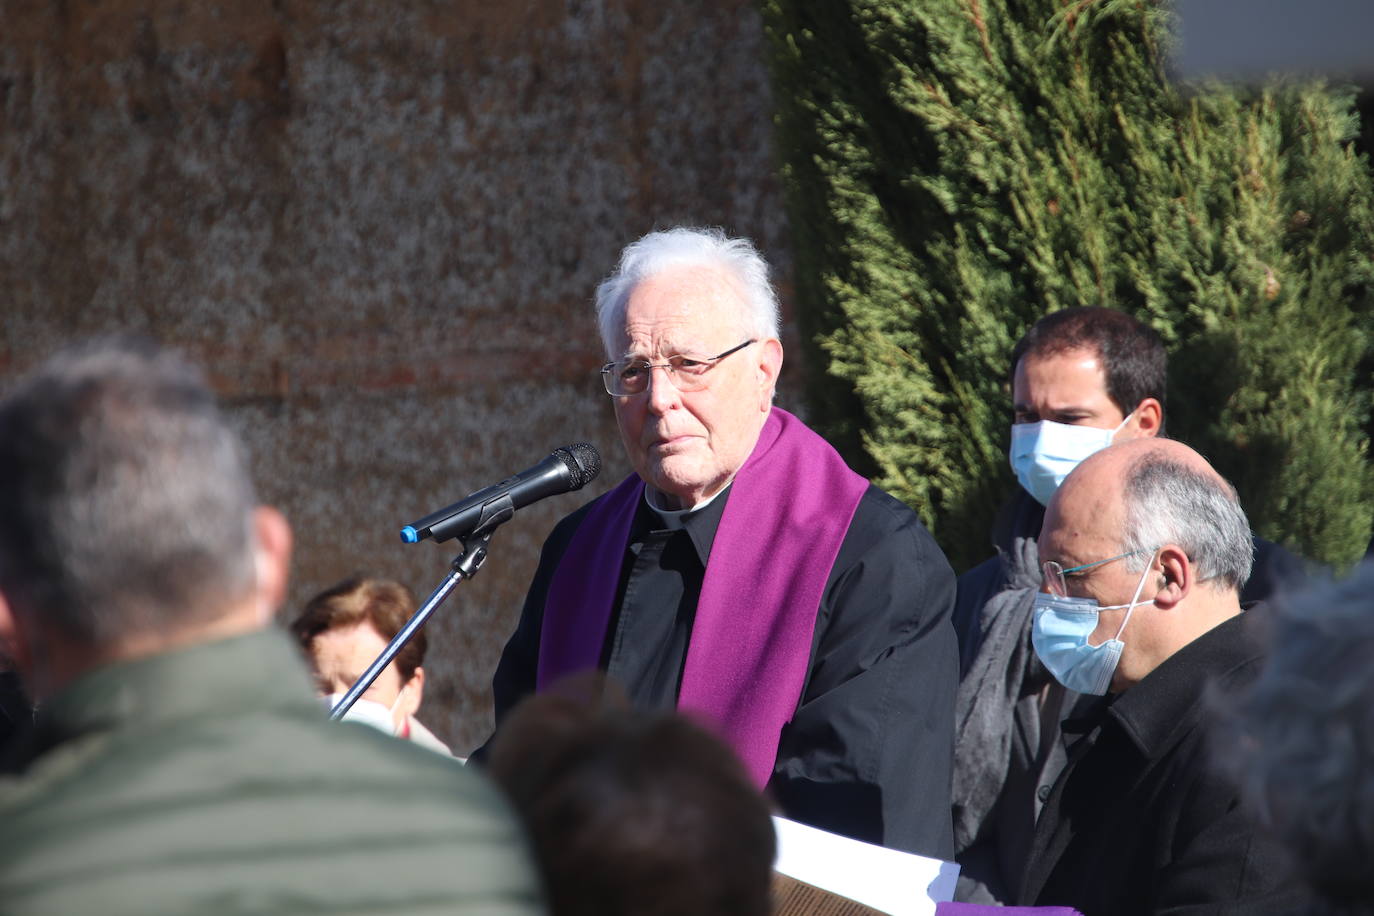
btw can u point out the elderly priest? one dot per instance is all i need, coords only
(744, 573)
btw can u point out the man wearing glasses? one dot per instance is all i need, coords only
(744, 573)
(1081, 379)
(1145, 551)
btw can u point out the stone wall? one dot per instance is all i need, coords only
(378, 226)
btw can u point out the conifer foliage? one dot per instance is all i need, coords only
(956, 169)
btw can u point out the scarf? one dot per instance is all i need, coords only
(788, 511)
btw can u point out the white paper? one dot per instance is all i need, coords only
(898, 883)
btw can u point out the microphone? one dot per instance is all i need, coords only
(567, 469)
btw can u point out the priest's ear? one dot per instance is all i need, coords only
(768, 364)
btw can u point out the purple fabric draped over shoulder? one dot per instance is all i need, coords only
(786, 516)
(980, 909)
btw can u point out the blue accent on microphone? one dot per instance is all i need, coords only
(409, 535)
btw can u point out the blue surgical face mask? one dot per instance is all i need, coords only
(1059, 632)
(1042, 454)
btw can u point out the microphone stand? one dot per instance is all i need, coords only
(464, 566)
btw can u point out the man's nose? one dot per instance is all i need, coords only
(663, 394)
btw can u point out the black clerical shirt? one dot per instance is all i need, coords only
(656, 602)
(868, 752)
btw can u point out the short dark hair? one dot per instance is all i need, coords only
(1132, 353)
(634, 812)
(125, 505)
(384, 603)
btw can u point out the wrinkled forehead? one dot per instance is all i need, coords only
(682, 310)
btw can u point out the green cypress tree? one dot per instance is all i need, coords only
(956, 169)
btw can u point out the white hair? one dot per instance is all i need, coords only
(1170, 503)
(689, 247)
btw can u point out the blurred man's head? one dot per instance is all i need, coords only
(1300, 741)
(690, 323)
(127, 519)
(1145, 548)
(345, 627)
(1082, 379)
(635, 812)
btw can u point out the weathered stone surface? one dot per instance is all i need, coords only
(378, 226)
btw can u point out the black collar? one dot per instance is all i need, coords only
(1169, 701)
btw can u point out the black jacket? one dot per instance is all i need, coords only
(868, 753)
(1141, 821)
(999, 797)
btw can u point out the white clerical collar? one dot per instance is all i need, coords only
(674, 519)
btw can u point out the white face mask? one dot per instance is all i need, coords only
(368, 712)
(1042, 454)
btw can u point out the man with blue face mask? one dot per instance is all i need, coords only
(1145, 550)
(1081, 380)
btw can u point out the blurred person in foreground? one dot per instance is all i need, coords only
(343, 630)
(744, 572)
(179, 761)
(1302, 740)
(16, 712)
(1145, 550)
(635, 813)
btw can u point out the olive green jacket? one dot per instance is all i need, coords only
(209, 781)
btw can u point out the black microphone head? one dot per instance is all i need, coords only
(583, 462)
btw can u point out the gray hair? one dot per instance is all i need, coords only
(1300, 742)
(125, 507)
(688, 247)
(1170, 503)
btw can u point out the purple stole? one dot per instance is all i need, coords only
(787, 513)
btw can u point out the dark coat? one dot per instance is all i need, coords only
(1141, 821)
(868, 752)
(1004, 772)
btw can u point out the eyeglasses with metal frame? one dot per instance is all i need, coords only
(1055, 575)
(629, 377)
